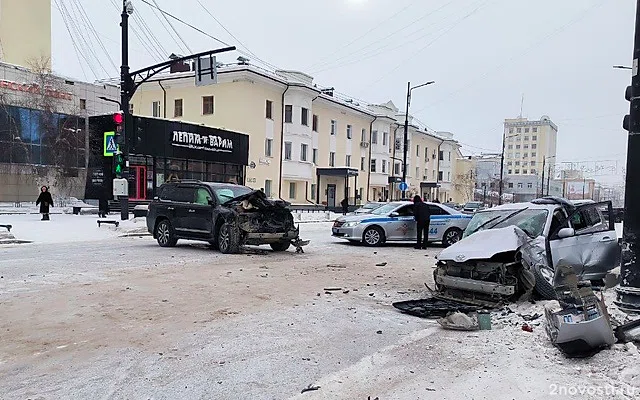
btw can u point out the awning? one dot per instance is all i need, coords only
(342, 172)
(427, 185)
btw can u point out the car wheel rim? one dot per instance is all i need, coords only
(372, 237)
(547, 274)
(224, 239)
(163, 233)
(453, 237)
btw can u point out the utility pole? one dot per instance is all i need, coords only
(125, 88)
(629, 289)
(548, 179)
(501, 185)
(544, 164)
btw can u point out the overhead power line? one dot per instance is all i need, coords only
(171, 26)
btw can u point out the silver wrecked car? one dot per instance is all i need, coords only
(508, 250)
(393, 222)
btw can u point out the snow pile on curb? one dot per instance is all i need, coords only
(306, 216)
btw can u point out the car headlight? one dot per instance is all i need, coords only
(351, 224)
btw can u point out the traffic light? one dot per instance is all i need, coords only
(626, 122)
(119, 164)
(118, 120)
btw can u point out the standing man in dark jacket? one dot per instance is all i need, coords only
(45, 201)
(422, 216)
(345, 205)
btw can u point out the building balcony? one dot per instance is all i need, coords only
(297, 170)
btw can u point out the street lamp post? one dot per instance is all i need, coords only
(406, 133)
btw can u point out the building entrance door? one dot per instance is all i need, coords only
(331, 195)
(138, 182)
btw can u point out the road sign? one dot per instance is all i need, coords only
(206, 70)
(403, 186)
(110, 146)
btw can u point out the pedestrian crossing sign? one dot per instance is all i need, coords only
(110, 146)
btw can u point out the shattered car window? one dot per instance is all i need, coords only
(530, 221)
(226, 193)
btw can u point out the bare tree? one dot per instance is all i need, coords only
(464, 184)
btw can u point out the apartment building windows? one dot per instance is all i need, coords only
(288, 113)
(526, 138)
(268, 109)
(526, 146)
(517, 163)
(519, 130)
(535, 129)
(510, 147)
(530, 185)
(155, 109)
(304, 116)
(374, 137)
(526, 130)
(362, 162)
(332, 159)
(533, 171)
(334, 127)
(315, 156)
(517, 171)
(441, 155)
(440, 175)
(303, 152)
(267, 187)
(177, 108)
(314, 123)
(373, 165)
(517, 154)
(448, 176)
(534, 137)
(519, 185)
(525, 155)
(517, 146)
(533, 154)
(292, 190)
(426, 154)
(363, 136)
(83, 104)
(417, 150)
(510, 163)
(533, 163)
(510, 172)
(510, 185)
(396, 169)
(268, 147)
(349, 132)
(510, 130)
(449, 156)
(347, 161)
(207, 105)
(534, 146)
(287, 150)
(384, 166)
(385, 138)
(524, 171)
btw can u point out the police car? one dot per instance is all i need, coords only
(393, 222)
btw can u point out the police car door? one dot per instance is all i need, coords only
(437, 223)
(402, 225)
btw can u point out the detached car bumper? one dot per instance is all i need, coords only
(257, 238)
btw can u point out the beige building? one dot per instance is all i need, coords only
(530, 146)
(25, 31)
(307, 145)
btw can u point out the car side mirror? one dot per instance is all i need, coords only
(394, 214)
(566, 233)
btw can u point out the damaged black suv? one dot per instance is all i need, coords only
(226, 215)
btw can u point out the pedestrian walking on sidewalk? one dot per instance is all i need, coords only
(45, 201)
(345, 206)
(422, 216)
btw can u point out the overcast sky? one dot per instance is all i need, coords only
(483, 54)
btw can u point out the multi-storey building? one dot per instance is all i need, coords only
(530, 146)
(25, 31)
(307, 145)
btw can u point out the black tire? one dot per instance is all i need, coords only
(544, 279)
(280, 246)
(229, 239)
(165, 235)
(451, 236)
(373, 236)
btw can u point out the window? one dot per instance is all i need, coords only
(526, 130)
(373, 165)
(374, 137)
(510, 155)
(334, 126)
(287, 150)
(510, 130)
(510, 163)
(517, 171)
(510, 172)
(441, 155)
(526, 137)
(533, 171)
(292, 190)
(524, 171)
(315, 156)
(396, 169)
(177, 108)
(268, 109)
(533, 154)
(207, 105)
(363, 136)
(418, 150)
(520, 185)
(385, 138)
(440, 174)
(314, 123)
(535, 130)
(426, 154)
(519, 130)
(518, 163)
(83, 104)
(347, 161)
(526, 146)
(384, 166)
(510, 185)
(517, 146)
(448, 176)
(525, 155)
(155, 109)
(332, 159)
(303, 152)
(349, 133)
(288, 113)
(304, 116)
(534, 146)
(314, 188)
(362, 161)
(533, 163)
(449, 155)
(534, 137)
(510, 147)
(525, 163)
(529, 185)
(130, 108)
(267, 187)
(517, 154)
(268, 147)
(417, 172)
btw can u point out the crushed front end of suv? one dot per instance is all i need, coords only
(511, 250)
(225, 215)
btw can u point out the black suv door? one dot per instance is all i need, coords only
(200, 213)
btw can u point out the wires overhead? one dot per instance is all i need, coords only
(164, 14)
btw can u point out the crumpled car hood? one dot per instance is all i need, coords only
(258, 199)
(484, 244)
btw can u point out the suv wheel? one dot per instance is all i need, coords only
(165, 235)
(280, 246)
(544, 282)
(229, 239)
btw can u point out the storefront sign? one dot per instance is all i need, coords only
(35, 88)
(202, 142)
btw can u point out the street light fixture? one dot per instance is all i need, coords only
(406, 134)
(621, 67)
(110, 100)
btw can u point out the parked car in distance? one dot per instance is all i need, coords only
(472, 206)
(514, 247)
(393, 222)
(455, 206)
(225, 215)
(368, 207)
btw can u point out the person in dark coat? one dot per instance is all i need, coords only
(345, 205)
(422, 216)
(103, 204)
(45, 201)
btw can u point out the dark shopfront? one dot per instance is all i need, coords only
(162, 150)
